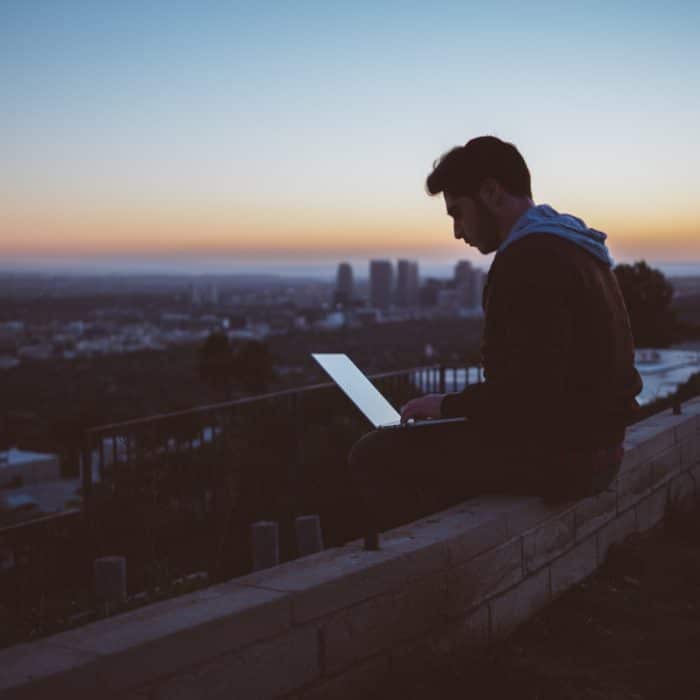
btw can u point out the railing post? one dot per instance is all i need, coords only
(87, 476)
(442, 379)
(309, 536)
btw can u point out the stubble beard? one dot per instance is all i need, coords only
(487, 226)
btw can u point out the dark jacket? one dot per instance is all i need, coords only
(557, 350)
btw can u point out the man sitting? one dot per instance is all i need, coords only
(557, 352)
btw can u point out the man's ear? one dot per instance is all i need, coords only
(491, 192)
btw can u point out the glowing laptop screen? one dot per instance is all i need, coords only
(358, 388)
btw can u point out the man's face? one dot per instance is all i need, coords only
(473, 222)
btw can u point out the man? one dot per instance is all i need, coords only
(557, 352)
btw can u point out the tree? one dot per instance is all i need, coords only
(253, 366)
(216, 363)
(647, 295)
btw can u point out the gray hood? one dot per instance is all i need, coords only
(544, 219)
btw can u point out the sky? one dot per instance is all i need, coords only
(238, 134)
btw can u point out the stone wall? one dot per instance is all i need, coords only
(329, 625)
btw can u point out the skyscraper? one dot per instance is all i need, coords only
(407, 283)
(479, 279)
(464, 284)
(381, 282)
(344, 287)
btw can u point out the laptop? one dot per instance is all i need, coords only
(380, 413)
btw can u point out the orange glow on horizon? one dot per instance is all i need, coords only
(264, 232)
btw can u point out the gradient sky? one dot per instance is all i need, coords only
(302, 131)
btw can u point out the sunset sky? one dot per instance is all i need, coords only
(302, 132)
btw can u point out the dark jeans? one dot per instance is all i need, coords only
(398, 475)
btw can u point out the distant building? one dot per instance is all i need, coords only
(469, 285)
(479, 279)
(430, 290)
(407, 283)
(344, 288)
(464, 284)
(447, 299)
(381, 283)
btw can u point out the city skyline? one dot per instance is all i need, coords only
(173, 135)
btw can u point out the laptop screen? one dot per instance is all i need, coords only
(358, 388)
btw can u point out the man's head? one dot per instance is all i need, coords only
(486, 186)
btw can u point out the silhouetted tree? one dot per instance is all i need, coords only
(253, 366)
(648, 296)
(217, 364)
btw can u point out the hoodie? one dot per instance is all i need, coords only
(544, 219)
(557, 346)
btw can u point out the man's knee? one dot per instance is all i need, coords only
(366, 449)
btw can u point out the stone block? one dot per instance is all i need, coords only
(44, 670)
(375, 625)
(470, 631)
(690, 452)
(534, 511)
(520, 513)
(633, 454)
(574, 566)
(592, 513)
(519, 604)
(650, 437)
(468, 529)
(483, 577)
(686, 428)
(632, 486)
(665, 466)
(264, 670)
(145, 644)
(652, 509)
(336, 579)
(360, 681)
(615, 532)
(547, 541)
(682, 494)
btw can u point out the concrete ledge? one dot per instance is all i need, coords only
(330, 624)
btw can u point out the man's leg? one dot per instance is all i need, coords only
(402, 474)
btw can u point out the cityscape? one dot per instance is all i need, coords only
(182, 311)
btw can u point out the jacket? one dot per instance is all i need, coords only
(557, 350)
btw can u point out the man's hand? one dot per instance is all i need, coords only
(427, 406)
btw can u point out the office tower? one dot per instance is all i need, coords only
(479, 279)
(407, 283)
(413, 286)
(381, 282)
(464, 284)
(344, 285)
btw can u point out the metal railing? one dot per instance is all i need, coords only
(178, 491)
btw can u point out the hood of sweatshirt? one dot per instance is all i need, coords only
(544, 219)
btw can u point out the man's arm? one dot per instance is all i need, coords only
(527, 343)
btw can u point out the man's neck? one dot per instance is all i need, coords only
(520, 206)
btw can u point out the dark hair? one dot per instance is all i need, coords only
(462, 170)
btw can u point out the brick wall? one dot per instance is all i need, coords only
(330, 624)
